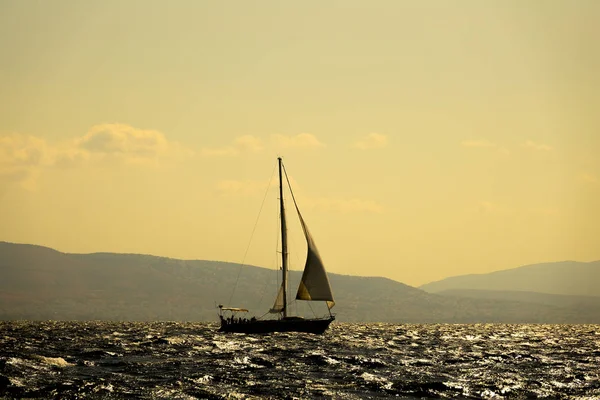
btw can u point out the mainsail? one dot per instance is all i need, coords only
(314, 284)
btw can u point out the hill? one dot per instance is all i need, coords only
(564, 278)
(41, 283)
(561, 300)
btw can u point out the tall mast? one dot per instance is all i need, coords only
(284, 254)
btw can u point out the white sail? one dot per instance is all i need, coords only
(314, 284)
(278, 306)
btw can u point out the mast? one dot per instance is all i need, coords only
(284, 254)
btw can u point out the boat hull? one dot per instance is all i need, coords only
(316, 326)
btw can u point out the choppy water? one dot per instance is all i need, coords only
(69, 360)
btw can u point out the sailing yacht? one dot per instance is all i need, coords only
(314, 286)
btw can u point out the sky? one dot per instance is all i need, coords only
(423, 139)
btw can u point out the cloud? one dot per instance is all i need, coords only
(248, 143)
(245, 143)
(25, 176)
(70, 156)
(22, 150)
(123, 139)
(254, 188)
(23, 157)
(125, 142)
(477, 143)
(530, 144)
(253, 144)
(299, 141)
(371, 141)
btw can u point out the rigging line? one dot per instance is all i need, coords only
(294, 199)
(311, 309)
(298, 262)
(277, 237)
(290, 187)
(273, 262)
(277, 267)
(251, 236)
(262, 296)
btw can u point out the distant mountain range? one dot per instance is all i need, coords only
(41, 283)
(564, 278)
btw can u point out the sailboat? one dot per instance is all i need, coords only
(314, 286)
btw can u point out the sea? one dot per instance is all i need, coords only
(171, 360)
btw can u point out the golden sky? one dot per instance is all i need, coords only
(424, 139)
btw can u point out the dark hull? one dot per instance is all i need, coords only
(316, 326)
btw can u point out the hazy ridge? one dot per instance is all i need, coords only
(560, 278)
(41, 283)
(527, 297)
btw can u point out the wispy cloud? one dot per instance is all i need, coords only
(530, 144)
(253, 144)
(256, 188)
(123, 139)
(18, 150)
(127, 143)
(69, 155)
(371, 141)
(299, 141)
(248, 143)
(241, 144)
(23, 157)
